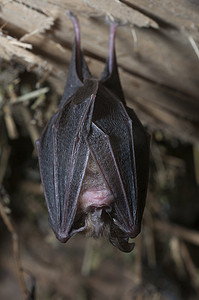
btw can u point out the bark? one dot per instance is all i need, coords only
(157, 49)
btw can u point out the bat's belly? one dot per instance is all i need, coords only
(95, 200)
(96, 197)
(94, 191)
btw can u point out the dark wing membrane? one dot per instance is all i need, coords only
(45, 154)
(111, 117)
(100, 146)
(130, 145)
(141, 145)
(63, 139)
(120, 146)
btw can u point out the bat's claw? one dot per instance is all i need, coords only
(70, 14)
(112, 20)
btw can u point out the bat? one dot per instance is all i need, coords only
(94, 156)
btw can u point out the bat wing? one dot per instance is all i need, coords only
(63, 155)
(142, 149)
(116, 148)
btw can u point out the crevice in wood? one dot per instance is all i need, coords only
(31, 7)
(162, 23)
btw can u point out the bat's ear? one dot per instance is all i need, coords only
(110, 76)
(78, 69)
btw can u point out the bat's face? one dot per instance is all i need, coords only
(93, 157)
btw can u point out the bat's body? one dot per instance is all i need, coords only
(93, 156)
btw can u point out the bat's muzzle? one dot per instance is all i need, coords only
(97, 220)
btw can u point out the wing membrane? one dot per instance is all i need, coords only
(63, 156)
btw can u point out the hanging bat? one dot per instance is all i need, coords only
(94, 156)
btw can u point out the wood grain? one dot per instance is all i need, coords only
(159, 68)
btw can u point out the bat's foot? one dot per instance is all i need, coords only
(113, 28)
(75, 21)
(110, 20)
(70, 15)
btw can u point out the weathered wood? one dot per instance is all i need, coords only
(158, 65)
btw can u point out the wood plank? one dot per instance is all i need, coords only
(159, 71)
